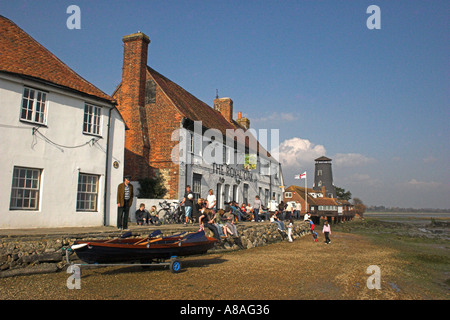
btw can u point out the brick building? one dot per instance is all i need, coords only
(167, 122)
(319, 205)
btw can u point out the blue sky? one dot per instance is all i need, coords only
(375, 101)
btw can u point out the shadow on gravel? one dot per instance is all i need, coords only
(190, 262)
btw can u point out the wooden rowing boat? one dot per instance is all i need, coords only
(144, 250)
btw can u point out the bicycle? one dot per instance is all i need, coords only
(169, 212)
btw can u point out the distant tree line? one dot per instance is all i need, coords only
(398, 209)
(360, 207)
(343, 194)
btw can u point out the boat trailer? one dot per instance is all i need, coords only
(174, 264)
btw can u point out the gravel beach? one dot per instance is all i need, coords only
(282, 271)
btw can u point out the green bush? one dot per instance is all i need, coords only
(152, 188)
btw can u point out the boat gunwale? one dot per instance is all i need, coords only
(161, 243)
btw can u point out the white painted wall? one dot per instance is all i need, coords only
(60, 166)
(192, 162)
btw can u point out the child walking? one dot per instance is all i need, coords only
(290, 226)
(314, 234)
(326, 231)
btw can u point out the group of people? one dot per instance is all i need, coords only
(326, 229)
(220, 222)
(143, 216)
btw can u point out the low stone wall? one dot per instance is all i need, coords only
(33, 255)
(260, 234)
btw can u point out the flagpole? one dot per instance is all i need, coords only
(306, 194)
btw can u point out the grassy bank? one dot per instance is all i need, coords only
(423, 249)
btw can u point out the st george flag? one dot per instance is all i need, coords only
(301, 176)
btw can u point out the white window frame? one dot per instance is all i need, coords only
(92, 119)
(32, 105)
(224, 154)
(86, 193)
(288, 194)
(25, 188)
(190, 142)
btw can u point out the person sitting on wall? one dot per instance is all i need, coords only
(264, 213)
(244, 214)
(229, 222)
(206, 220)
(274, 219)
(307, 216)
(221, 220)
(235, 210)
(154, 217)
(249, 210)
(142, 215)
(196, 209)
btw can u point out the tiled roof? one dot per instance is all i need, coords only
(21, 54)
(322, 158)
(320, 201)
(301, 192)
(195, 109)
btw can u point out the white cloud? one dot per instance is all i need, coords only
(422, 184)
(298, 152)
(352, 160)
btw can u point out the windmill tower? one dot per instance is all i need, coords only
(323, 177)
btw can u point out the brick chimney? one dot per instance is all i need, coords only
(324, 192)
(134, 68)
(131, 103)
(225, 107)
(243, 122)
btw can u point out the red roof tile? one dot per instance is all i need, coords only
(21, 54)
(196, 110)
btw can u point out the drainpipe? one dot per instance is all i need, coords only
(181, 192)
(107, 165)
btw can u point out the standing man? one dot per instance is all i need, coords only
(298, 208)
(256, 208)
(211, 200)
(188, 203)
(124, 200)
(273, 205)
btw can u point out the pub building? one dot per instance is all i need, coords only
(174, 135)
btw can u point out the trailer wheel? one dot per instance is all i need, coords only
(175, 265)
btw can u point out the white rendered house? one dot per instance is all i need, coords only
(61, 138)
